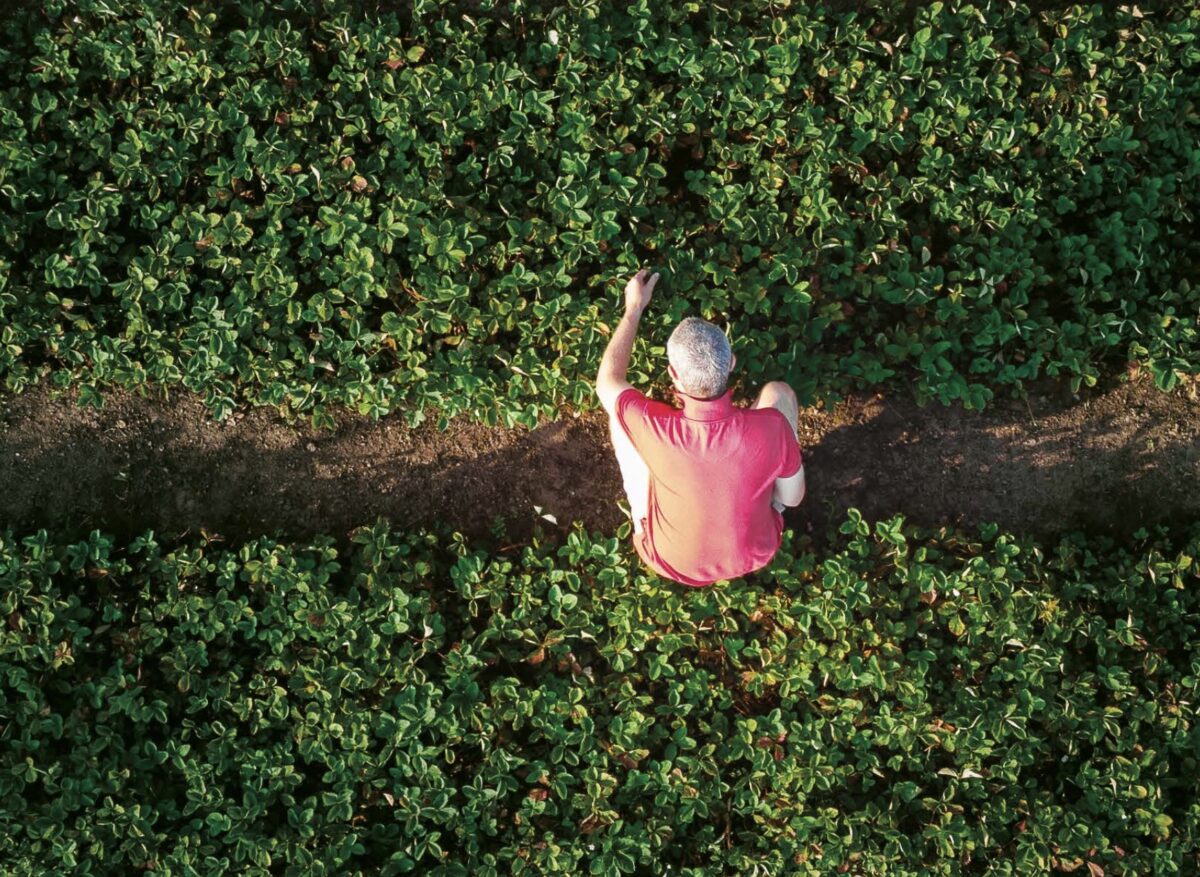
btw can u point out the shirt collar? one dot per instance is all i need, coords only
(706, 409)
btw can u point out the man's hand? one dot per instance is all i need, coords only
(638, 291)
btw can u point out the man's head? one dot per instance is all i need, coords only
(699, 358)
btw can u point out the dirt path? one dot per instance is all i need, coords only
(1123, 457)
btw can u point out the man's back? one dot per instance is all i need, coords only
(713, 468)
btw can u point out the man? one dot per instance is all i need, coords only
(706, 482)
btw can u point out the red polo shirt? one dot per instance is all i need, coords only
(712, 473)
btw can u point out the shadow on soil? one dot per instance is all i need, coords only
(1120, 460)
(1123, 458)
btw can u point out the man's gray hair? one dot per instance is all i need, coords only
(701, 356)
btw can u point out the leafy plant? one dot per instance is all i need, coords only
(903, 701)
(315, 204)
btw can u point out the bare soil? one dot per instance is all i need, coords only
(1121, 458)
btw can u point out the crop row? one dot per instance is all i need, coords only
(303, 204)
(905, 701)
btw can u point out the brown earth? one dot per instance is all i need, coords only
(1120, 458)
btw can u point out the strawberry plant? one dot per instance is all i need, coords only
(901, 701)
(429, 207)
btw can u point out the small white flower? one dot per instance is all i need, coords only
(554, 38)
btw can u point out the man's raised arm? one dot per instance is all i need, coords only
(610, 380)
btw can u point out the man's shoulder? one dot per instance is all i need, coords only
(634, 401)
(643, 419)
(767, 426)
(765, 418)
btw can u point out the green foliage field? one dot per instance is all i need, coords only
(407, 206)
(902, 702)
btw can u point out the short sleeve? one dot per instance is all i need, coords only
(631, 412)
(792, 459)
